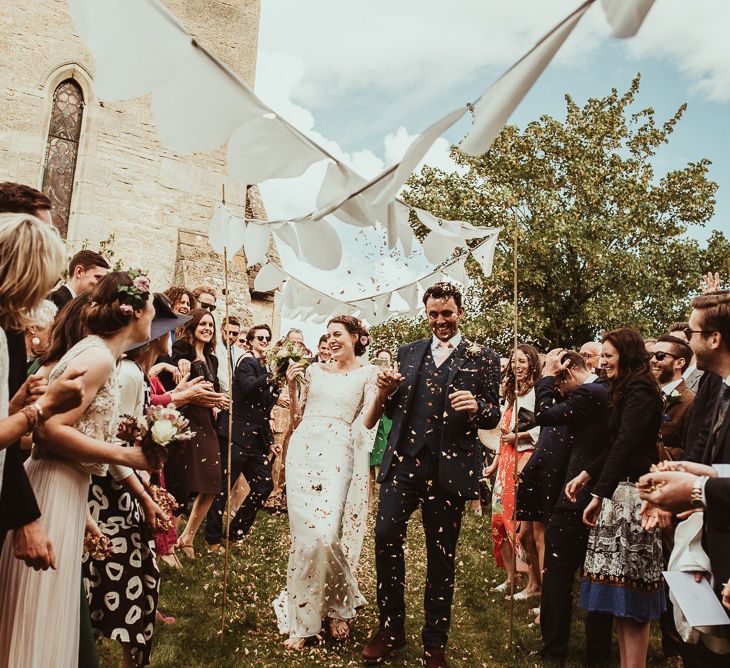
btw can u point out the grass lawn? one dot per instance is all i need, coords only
(257, 575)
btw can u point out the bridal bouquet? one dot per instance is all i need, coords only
(161, 433)
(280, 357)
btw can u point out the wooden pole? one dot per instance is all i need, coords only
(515, 410)
(227, 523)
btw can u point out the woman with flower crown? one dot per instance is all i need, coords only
(319, 467)
(68, 448)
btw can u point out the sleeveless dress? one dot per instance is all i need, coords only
(319, 470)
(39, 610)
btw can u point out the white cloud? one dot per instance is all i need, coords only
(693, 35)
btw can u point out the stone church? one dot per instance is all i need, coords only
(111, 182)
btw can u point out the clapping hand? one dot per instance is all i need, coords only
(554, 363)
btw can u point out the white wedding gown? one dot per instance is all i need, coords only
(319, 470)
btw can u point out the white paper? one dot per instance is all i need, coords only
(495, 107)
(226, 231)
(136, 46)
(267, 148)
(626, 16)
(269, 278)
(201, 105)
(697, 600)
(484, 255)
(256, 243)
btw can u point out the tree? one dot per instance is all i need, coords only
(601, 238)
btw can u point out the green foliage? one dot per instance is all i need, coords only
(601, 238)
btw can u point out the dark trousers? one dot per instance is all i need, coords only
(698, 656)
(413, 481)
(566, 538)
(254, 463)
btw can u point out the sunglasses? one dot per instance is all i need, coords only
(263, 338)
(660, 355)
(210, 307)
(688, 332)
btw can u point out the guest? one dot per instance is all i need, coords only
(19, 511)
(196, 392)
(121, 316)
(281, 416)
(123, 589)
(324, 354)
(670, 358)
(524, 368)
(36, 334)
(622, 572)
(583, 415)
(691, 373)
(183, 301)
(383, 358)
(205, 297)
(251, 438)
(230, 331)
(193, 353)
(85, 270)
(242, 343)
(591, 353)
(705, 486)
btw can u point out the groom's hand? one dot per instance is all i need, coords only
(388, 381)
(463, 400)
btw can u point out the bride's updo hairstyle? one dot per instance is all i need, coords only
(113, 301)
(353, 326)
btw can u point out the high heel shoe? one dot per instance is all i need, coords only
(187, 549)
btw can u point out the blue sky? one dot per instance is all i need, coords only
(365, 80)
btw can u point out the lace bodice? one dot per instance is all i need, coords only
(338, 396)
(101, 418)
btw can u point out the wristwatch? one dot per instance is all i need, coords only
(695, 497)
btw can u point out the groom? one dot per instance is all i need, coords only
(449, 390)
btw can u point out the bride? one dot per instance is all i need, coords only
(319, 465)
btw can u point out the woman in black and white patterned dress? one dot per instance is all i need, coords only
(123, 588)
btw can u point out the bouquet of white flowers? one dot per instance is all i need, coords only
(280, 357)
(163, 431)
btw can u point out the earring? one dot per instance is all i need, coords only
(35, 340)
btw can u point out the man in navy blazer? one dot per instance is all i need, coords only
(584, 411)
(449, 390)
(252, 439)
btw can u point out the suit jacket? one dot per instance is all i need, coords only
(585, 412)
(697, 427)
(460, 450)
(674, 420)
(693, 380)
(61, 296)
(18, 505)
(253, 399)
(633, 429)
(717, 496)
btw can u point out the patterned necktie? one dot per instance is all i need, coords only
(442, 352)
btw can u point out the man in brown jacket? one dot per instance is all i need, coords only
(670, 358)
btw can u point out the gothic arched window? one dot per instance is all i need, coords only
(62, 150)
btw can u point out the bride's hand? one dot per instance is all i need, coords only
(293, 370)
(388, 381)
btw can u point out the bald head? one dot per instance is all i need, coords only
(591, 353)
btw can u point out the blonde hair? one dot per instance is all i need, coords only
(32, 256)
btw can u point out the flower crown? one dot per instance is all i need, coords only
(133, 297)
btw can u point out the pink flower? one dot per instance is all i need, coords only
(126, 309)
(142, 283)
